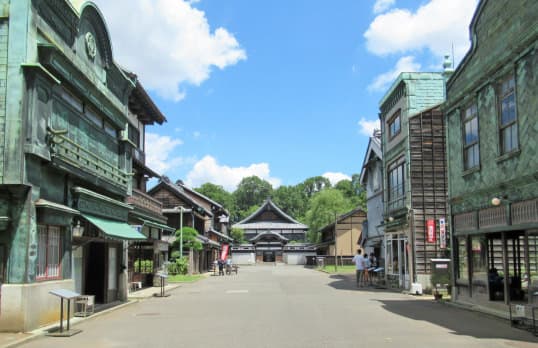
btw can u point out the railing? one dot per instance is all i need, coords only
(141, 200)
(67, 150)
(465, 222)
(525, 212)
(492, 217)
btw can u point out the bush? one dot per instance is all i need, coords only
(180, 266)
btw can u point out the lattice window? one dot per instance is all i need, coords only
(49, 261)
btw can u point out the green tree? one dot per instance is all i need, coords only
(322, 209)
(243, 214)
(251, 191)
(189, 239)
(355, 194)
(238, 235)
(315, 184)
(218, 194)
(292, 200)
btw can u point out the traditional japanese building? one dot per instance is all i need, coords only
(272, 236)
(66, 161)
(492, 143)
(372, 237)
(186, 207)
(342, 238)
(414, 168)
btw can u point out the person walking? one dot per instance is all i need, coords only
(221, 267)
(366, 268)
(359, 267)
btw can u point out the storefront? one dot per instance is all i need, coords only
(397, 260)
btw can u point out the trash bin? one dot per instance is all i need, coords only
(440, 276)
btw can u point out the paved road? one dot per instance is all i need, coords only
(289, 306)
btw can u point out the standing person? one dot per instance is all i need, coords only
(359, 265)
(221, 267)
(373, 266)
(366, 268)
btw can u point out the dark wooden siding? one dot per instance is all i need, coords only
(428, 174)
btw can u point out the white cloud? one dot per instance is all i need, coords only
(209, 170)
(168, 43)
(334, 178)
(367, 127)
(434, 26)
(382, 5)
(404, 64)
(159, 151)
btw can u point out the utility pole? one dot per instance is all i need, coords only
(181, 231)
(335, 245)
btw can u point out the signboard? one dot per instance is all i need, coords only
(430, 231)
(442, 233)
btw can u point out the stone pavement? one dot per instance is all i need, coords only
(16, 339)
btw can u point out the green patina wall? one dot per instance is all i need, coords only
(507, 43)
(3, 80)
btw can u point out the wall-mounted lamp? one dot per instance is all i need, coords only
(496, 201)
(391, 219)
(78, 230)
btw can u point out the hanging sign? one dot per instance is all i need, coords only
(430, 231)
(442, 233)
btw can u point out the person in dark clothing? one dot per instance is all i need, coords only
(221, 267)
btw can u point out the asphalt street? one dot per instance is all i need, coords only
(290, 306)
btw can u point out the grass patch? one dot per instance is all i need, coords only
(341, 269)
(184, 278)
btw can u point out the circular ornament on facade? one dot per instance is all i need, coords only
(91, 47)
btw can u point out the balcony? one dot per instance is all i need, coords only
(65, 149)
(143, 201)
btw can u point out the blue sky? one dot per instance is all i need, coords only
(282, 89)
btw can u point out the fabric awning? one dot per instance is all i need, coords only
(158, 225)
(115, 229)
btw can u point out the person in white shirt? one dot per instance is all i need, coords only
(359, 264)
(366, 268)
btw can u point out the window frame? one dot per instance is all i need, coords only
(397, 193)
(42, 270)
(397, 116)
(467, 147)
(503, 95)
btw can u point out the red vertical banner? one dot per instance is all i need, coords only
(224, 252)
(430, 231)
(442, 233)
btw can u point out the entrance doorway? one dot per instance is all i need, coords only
(268, 256)
(95, 272)
(396, 259)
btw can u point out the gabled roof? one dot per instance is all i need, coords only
(343, 217)
(255, 222)
(269, 233)
(179, 192)
(373, 151)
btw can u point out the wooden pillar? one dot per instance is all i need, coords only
(506, 270)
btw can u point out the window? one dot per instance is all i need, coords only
(463, 265)
(396, 186)
(49, 250)
(134, 135)
(110, 130)
(471, 152)
(394, 125)
(478, 258)
(508, 115)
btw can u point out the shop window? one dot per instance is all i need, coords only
(49, 251)
(471, 152)
(463, 261)
(508, 115)
(478, 258)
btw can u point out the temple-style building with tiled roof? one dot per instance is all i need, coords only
(272, 236)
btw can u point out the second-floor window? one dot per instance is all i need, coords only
(395, 125)
(508, 115)
(471, 152)
(396, 186)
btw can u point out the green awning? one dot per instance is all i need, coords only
(158, 225)
(115, 229)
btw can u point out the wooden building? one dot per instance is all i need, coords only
(492, 139)
(65, 164)
(346, 241)
(272, 236)
(414, 176)
(184, 206)
(373, 233)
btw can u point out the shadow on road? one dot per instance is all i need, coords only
(348, 282)
(457, 320)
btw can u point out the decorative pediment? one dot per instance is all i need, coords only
(93, 36)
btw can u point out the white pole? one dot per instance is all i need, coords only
(181, 231)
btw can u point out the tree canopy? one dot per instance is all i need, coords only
(189, 239)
